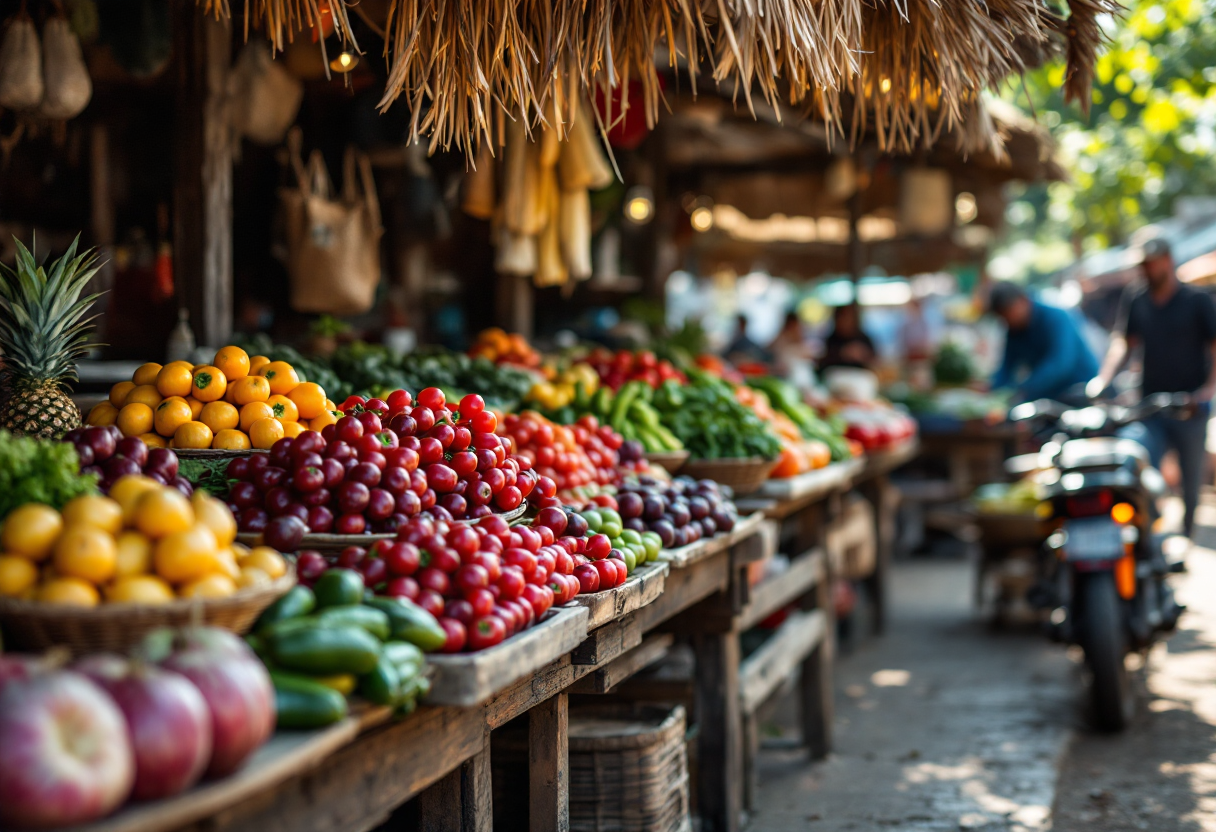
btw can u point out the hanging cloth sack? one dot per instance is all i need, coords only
(20, 65)
(265, 96)
(65, 76)
(333, 245)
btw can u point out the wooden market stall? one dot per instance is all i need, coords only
(455, 75)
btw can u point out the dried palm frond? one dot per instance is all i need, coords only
(907, 70)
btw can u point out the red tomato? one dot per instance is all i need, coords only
(486, 631)
(456, 635)
(433, 398)
(608, 572)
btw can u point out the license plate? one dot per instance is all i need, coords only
(1093, 538)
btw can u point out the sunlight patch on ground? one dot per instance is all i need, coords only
(890, 678)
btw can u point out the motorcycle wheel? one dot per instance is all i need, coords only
(1102, 637)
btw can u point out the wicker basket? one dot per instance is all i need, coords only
(29, 625)
(215, 453)
(628, 770)
(743, 475)
(670, 461)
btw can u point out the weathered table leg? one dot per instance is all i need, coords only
(816, 693)
(751, 754)
(461, 802)
(720, 783)
(549, 772)
(876, 585)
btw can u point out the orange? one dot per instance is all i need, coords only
(327, 418)
(139, 589)
(163, 512)
(219, 416)
(134, 419)
(250, 576)
(134, 553)
(210, 384)
(196, 408)
(212, 586)
(309, 398)
(186, 556)
(171, 414)
(72, 591)
(230, 440)
(174, 380)
(154, 440)
(233, 362)
(282, 377)
(253, 412)
(256, 362)
(128, 491)
(214, 515)
(250, 389)
(230, 393)
(94, 510)
(293, 429)
(102, 414)
(30, 531)
(86, 553)
(17, 575)
(118, 393)
(265, 432)
(283, 409)
(144, 394)
(266, 559)
(191, 436)
(146, 374)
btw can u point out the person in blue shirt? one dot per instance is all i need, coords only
(1046, 356)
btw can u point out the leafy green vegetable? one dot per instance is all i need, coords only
(712, 423)
(207, 474)
(953, 365)
(39, 471)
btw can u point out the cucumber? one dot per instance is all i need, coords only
(411, 623)
(383, 685)
(298, 601)
(343, 683)
(326, 651)
(338, 588)
(370, 619)
(402, 652)
(301, 702)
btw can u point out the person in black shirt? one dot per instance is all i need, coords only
(1175, 328)
(848, 345)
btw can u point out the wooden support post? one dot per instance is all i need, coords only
(719, 718)
(549, 765)
(816, 692)
(440, 808)
(476, 793)
(751, 753)
(876, 491)
(202, 192)
(515, 300)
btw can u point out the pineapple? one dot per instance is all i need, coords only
(43, 333)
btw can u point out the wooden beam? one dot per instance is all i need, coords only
(549, 766)
(608, 642)
(720, 742)
(773, 594)
(618, 670)
(765, 670)
(202, 193)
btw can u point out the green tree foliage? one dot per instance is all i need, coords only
(1150, 136)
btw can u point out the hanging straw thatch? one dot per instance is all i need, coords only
(906, 70)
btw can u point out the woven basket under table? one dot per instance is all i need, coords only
(628, 770)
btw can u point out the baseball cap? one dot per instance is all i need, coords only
(1155, 247)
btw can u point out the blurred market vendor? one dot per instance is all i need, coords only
(848, 345)
(742, 349)
(1174, 326)
(1046, 355)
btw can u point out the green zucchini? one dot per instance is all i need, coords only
(366, 618)
(301, 702)
(326, 651)
(298, 601)
(411, 623)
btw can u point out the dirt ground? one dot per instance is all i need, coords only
(945, 724)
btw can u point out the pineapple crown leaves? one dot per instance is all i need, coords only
(42, 326)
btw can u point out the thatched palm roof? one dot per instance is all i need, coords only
(903, 70)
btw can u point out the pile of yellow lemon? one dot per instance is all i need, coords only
(144, 544)
(234, 403)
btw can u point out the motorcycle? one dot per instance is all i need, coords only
(1104, 571)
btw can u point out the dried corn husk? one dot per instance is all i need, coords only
(550, 267)
(67, 87)
(478, 197)
(582, 163)
(574, 220)
(515, 253)
(21, 86)
(523, 211)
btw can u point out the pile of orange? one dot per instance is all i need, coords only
(234, 403)
(798, 455)
(503, 348)
(143, 544)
